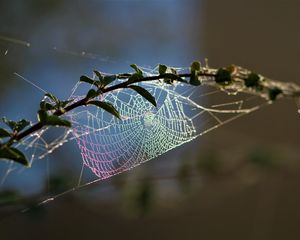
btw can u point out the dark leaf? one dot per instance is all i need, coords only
(57, 121)
(52, 97)
(273, 93)
(46, 106)
(195, 69)
(92, 93)
(107, 107)
(194, 80)
(144, 93)
(52, 120)
(196, 66)
(223, 76)
(9, 123)
(14, 154)
(108, 79)
(98, 74)
(4, 133)
(134, 78)
(252, 80)
(169, 74)
(137, 69)
(162, 69)
(42, 115)
(89, 81)
(16, 126)
(20, 125)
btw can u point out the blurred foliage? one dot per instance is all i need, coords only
(140, 194)
(58, 184)
(183, 175)
(139, 197)
(9, 197)
(208, 163)
(262, 158)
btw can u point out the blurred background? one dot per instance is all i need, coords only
(241, 181)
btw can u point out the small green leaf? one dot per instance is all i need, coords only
(144, 93)
(223, 76)
(51, 96)
(52, 120)
(9, 123)
(195, 69)
(89, 81)
(107, 107)
(252, 80)
(162, 69)
(46, 106)
(92, 93)
(137, 69)
(274, 92)
(108, 79)
(4, 133)
(57, 121)
(194, 80)
(165, 69)
(16, 126)
(98, 74)
(169, 74)
(42, 115)
(196, 66)
(13, 154)
(134, 78)
(20, 125)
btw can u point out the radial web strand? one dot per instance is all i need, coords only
(109, 145)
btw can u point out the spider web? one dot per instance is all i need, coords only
(109, 146)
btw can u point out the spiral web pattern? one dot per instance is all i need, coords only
(109, 146)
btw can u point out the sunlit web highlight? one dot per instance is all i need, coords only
(110, 146)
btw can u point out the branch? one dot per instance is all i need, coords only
(231, 79)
